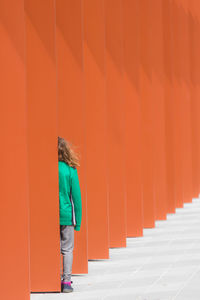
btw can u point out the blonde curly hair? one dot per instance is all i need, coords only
(67, 154)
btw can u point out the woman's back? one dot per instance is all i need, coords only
(69, 186)
(64, 193)
(64, 178)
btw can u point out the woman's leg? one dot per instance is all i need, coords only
(67, 246)
(61, 261)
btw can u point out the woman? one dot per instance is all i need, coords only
(70, 208)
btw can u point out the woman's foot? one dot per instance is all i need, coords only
(66, 287)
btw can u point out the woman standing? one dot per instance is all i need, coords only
(70, 208)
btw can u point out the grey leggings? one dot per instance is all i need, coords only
(67, 246)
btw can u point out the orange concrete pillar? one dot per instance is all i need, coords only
(14, 222)
(194, 32)
(69, 42)
(147, 115)
(178, 110)
(132, 132)
(185, 85)
(169, 106)
(95, 110)
(115, 123)
(42, 143)
(159, 141)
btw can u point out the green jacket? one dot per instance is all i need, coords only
(68, 180)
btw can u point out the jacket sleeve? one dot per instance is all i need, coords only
(76, 196)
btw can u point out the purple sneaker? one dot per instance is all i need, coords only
(66, 287)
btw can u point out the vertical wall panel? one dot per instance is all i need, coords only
(194, 23)
(130, 9)
(186, 98)
(95, 109)
(159, 141)
(169, 107)
(70, 102)
(42, 142)
(14, 254)
(147, 114)
(115, 123)
(178, 110)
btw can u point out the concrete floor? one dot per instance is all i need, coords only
(164, 264)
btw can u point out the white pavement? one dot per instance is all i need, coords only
(164, 264)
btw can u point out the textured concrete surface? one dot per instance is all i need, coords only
(164, 264)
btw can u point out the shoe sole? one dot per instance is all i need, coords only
(67, 291)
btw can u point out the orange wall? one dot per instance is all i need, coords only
(185, 83)
(42, 144)
(95, 117)
(115, 123)
(132, 116)
(159, 140)
(147, 115)
(71, 122)
(169, 108)
(178, 107)
(194, 32)
(14, 251)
